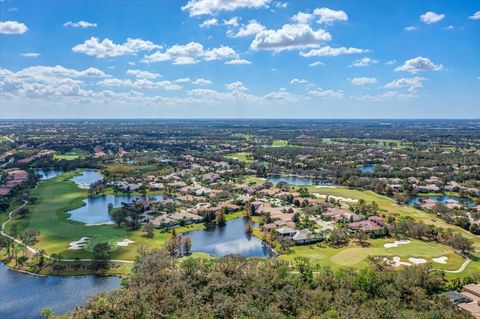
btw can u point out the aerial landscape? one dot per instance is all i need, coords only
(240, 159)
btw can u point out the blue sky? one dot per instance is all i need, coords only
(240, 59)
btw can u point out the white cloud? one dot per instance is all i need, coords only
(431, 17)
(282, 95)
(281, 5)
(327, 94)
(318, 63)
(107, 48)
(328, 16)
(210, 7)
(363, 81)
(391, 62)
(450, 27)
(410, 28)
(302, 17)
(80, 24)
(290, 37)
(202, 82)
(475, 16)
(363, 62)
(183, 80)
(232, 22)
(208, 23)
(419, 64)
(252, 28)
(412, 84)
(140, 84)
(12, 27)
(238, 61)
(220, 53)
(329, 51)
(140, 74)
(30, 54)
(190, 53)
(236, 86)
(390, 95)
(298, 81)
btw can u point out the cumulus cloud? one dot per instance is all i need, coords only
(232, 22)
(252, 28)
(210, 7)
(298, 81)
(419, 64)
(12, 27)
(302, 17)
(202, 82)
(282, 95)
(290, 37)
(140, 74)
(238, 61)
(208, 23)
(413, 84)
(410, 28)
(390, 95)
(107, 48)
(190, 53)
(80, 24)
(30, 54)
(363, 62)
(235, 86)
(183, 80)
(328, 16)
(363, 81)
(475, 16)
(140, 84)
(327, 94)
(431, 17)
(329, 51)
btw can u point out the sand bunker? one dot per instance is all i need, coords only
(344, 199)
(325, 186)
(396, 243)
(417, 260)
(396, 262)
(125, 242)
(99, 224)
(440, 260)
(79, 244)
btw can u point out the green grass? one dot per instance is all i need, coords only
(254, 180)
(245, 157)
(355, 256)
(68, 157)
(279, 143)
(389, 206)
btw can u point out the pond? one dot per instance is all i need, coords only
(296, 180)
(368, 169)
(95, 210)
(24, 296)
(220, 241)
(87, 178)
(47, 173)
(417, 200)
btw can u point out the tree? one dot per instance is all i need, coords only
(46, 313)
(187, 244)
(149, 230)
(249, 227)
(101, 256)
(29, 236)
(220, 218)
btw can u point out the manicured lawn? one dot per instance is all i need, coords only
(68, 157)
(389, 206)
(131, 169)
(279, 143)
(253, 179)
(245, 157)
(357, 257)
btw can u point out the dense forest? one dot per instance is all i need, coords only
(233, 287)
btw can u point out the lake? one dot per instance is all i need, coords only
(87, 178)
(47, 173)
(24, 296)
(95, 210)
(296, 180)
(416, 200)
(368, 169)
(219, 241)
